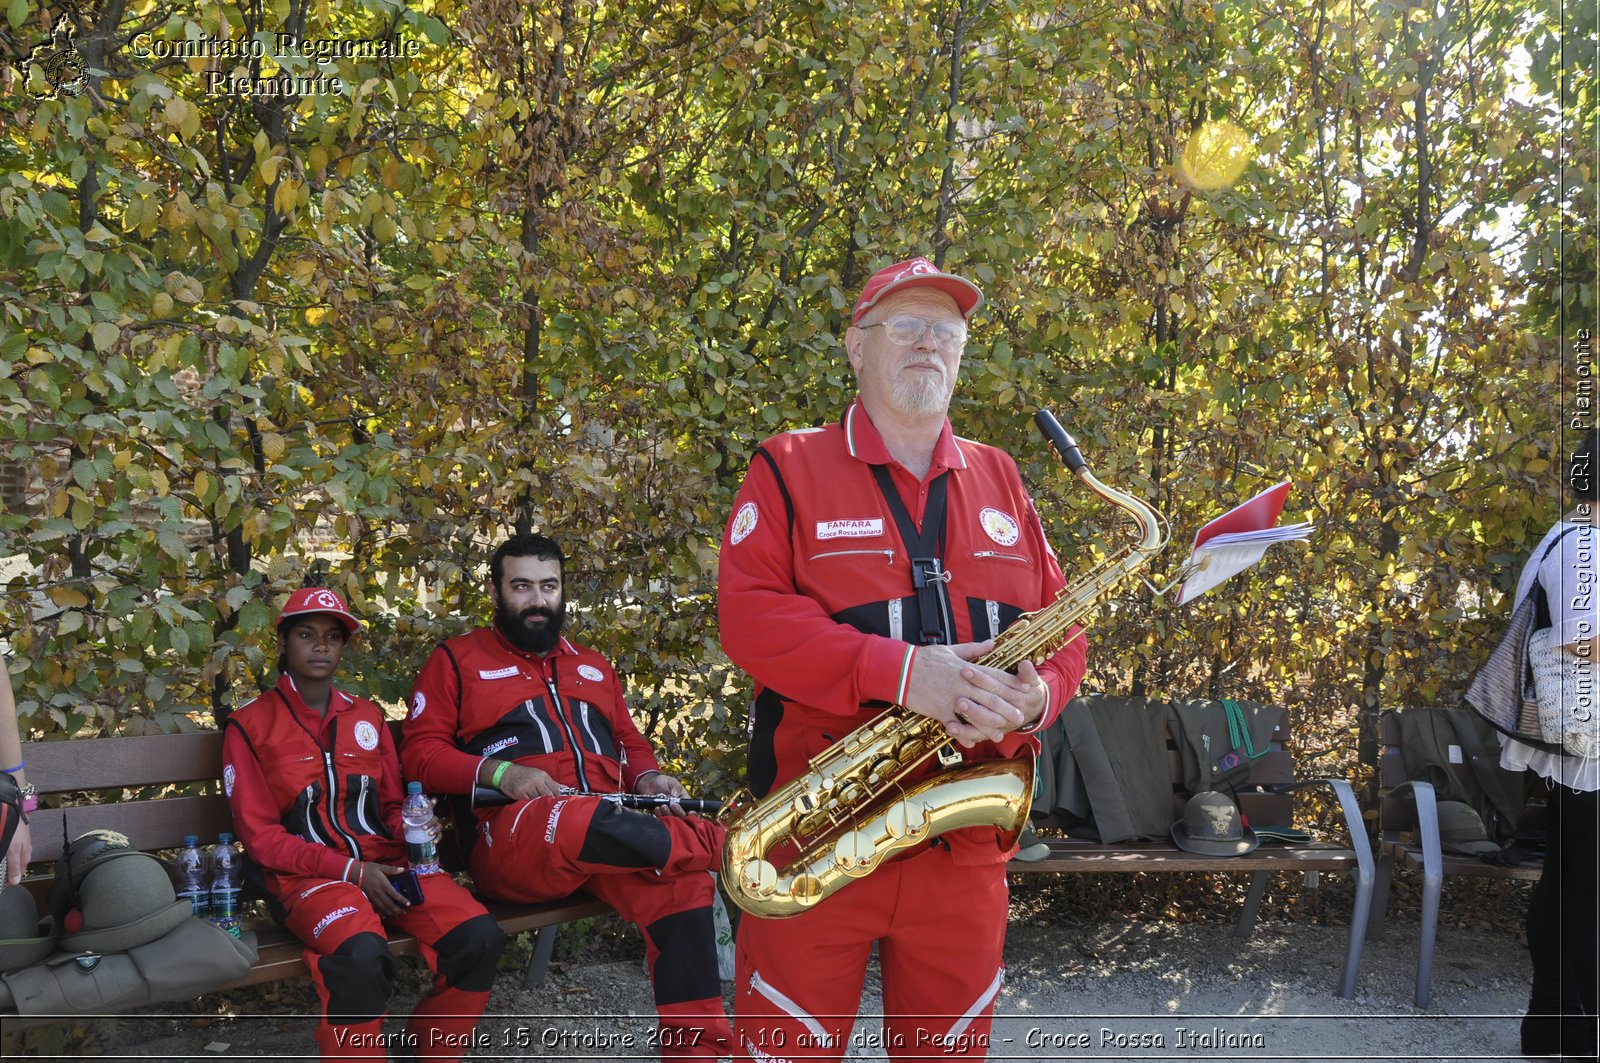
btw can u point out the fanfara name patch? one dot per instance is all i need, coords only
(744, 522)
(849, 529)
(1000, 526)
(366, 736)
(591, 673)
(497, 673)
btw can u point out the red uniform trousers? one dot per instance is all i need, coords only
(940, 928)
(347, 952)
(651, 869)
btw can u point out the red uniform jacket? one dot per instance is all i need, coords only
(479, 696)
(310, 792)
(815, 588)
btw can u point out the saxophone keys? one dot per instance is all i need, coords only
(903, 819)
(853, 852)
(806, 890)
(813, 789)
(760, 877)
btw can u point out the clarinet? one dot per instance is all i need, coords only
(488, 796)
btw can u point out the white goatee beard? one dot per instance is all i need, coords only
(921, 395)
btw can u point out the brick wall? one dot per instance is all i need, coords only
(13, 482)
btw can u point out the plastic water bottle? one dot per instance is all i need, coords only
(192, 883)
(417, 814)
(226, 880)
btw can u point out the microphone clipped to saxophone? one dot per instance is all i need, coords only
(853, 807)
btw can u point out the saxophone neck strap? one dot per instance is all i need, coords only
(926, 548)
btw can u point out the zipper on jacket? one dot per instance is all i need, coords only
(887, 555)
(783, 1002)
(333, 805)
(588, 727)
(992, 607)
(311, 814)
(1004, 557)
(896, 620)
(566, 725)
(544, 732)
(361, 807)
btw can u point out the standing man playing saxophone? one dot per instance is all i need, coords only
(868, 563)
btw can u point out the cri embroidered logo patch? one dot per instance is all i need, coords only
(744, 522)
(591, 673)
(366, 736)
(1000, 526)
(419, 701)
(849, 529)
(227, 779)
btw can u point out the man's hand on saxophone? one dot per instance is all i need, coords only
(1024, 695)
(975, 703)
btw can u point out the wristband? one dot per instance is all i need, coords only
(499, 773)
(637, 779)
(13, 771)
(346, 875)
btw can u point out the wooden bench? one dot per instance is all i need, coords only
(1265, 798)
(1408, 835)
(135, 776)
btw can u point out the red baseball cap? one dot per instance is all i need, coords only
(917, 273)
(309, 600)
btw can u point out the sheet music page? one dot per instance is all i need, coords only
(1215, 564)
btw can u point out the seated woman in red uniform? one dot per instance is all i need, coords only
(314, 783)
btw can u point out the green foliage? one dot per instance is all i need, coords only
(568, 264)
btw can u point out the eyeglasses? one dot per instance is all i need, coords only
(905, 330)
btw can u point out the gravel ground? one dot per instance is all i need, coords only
(1099, 987)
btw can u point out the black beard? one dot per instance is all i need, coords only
(528, 637)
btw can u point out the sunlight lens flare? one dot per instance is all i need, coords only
(1215, 156)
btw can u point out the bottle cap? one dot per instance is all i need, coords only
(225, 838)
(190, 839)
(413, 788)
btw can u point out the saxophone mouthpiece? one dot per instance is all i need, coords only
(1065, 445)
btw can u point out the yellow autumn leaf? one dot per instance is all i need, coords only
(68, 597)
(272, 444)
(174, 110)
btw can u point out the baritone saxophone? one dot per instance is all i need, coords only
(852, 807)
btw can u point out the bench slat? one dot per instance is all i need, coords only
(155, 824)
(122, 762)
(1129, 857)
